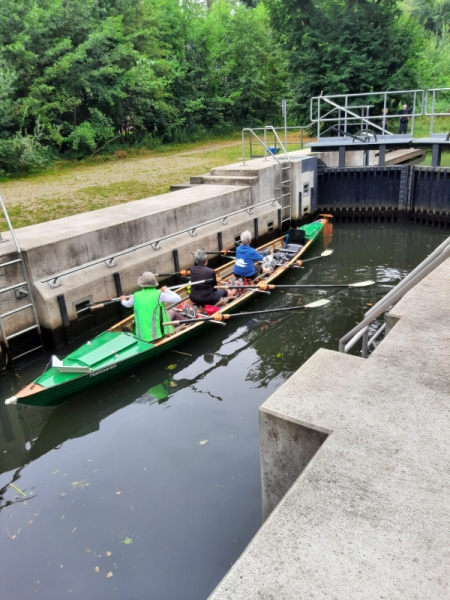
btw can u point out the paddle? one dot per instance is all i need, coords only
(217, 317)
(102, 303)
(268, 286)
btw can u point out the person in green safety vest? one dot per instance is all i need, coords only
(149, 311)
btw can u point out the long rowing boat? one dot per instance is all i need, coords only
(117, 350)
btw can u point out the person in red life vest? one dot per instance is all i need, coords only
(149, 310)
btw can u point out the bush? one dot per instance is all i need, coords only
(23, 154)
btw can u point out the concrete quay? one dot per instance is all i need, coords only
(355, 469)
(82, 257)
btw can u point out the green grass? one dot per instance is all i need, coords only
(85, 186)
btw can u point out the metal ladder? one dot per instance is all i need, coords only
(21, 290)
(285, 170)
(285, 184)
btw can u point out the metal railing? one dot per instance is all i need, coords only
(54, 280)
(346, 113)
(22, 289)
(285, 184)
(432, 114)
(282, 130)
(361, 330)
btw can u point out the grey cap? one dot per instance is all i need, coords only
(147, 279)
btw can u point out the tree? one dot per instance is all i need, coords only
(347, 46)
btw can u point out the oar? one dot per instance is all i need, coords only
(102, 303)
(217, 317)
(270, 286)
(300, 262)
(183, 273)
(224, 252)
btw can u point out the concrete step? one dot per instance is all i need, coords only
(198, 179)
(244, 172)
(227, 180)
(182, 186)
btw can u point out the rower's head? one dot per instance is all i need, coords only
(147, 280)
(246, 238)
(200, 257)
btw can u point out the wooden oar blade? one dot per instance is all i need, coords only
(317, 303)
(362, 284)
(327, 252)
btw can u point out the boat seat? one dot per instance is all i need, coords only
(292, 247)
(295, 236)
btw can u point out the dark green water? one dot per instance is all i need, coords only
(155, 478)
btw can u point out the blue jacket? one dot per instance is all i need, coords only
(245, 259)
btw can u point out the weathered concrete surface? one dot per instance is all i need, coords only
(369, 516)
(52, 247)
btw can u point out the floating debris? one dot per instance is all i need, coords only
(17, 489)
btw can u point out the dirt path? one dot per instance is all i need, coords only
(67, 192)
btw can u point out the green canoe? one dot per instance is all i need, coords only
(116, 351)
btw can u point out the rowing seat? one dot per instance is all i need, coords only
(295, 236)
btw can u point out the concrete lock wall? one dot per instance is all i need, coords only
(353, 158)
(72, 242)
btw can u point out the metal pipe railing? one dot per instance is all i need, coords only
(155, 243)
(346, 114)
(422, 270)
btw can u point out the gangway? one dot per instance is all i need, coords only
(342, 115)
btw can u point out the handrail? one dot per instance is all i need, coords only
(155, 243)
(266, 149)
(349, 115)
(433, 114)
(270, 128)
(428, 265)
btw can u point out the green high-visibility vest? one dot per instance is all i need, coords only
(149, 315)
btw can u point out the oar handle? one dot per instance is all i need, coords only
(224, 252)
(183, 273)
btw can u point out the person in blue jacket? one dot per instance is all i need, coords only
(246, 257)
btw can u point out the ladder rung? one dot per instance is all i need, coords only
(27, 352)
(11, 262)
(10, 337)
(11, 312)
(12, 287)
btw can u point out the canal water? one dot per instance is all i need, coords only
(149, 487)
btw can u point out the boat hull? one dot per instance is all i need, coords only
(40, 395)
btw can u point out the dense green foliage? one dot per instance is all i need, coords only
(78, 77)
(346, 46)
(434, 16)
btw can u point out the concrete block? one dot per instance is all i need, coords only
(365, 517)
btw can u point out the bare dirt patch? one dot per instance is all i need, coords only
(72, 191)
